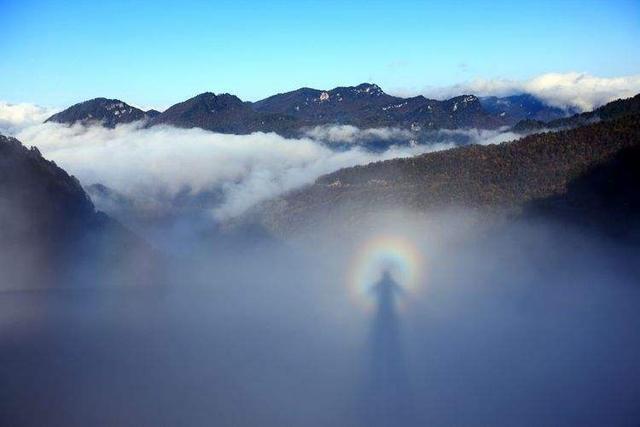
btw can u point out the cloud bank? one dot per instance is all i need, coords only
(15, 117)
(152, 168)
(477, 136)
(581, 91)
(352, 134)
(156, 164)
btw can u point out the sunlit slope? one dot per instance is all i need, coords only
(505, 177)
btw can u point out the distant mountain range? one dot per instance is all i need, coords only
(520, 107)
(289, 114)
(610, 111)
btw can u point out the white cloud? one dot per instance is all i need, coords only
(565, 90)
(479, 136)
(15, 117)
(352, 134)
(162, 161)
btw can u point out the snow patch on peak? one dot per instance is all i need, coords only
(115, 105)
(389, 107)
(370, 89)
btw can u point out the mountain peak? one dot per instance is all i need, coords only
(369, 88)
(212, 97)
(467, 99)
(224, 113)
(363, 89)
(152, 113)
(110, 112)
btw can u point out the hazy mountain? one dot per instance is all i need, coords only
(463, 111)
(152, 113)
(514, 108)
(108, 112)
(504, 177)
(610, 111)
(51, 232)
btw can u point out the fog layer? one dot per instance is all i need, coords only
(517, 324)
(508, 322)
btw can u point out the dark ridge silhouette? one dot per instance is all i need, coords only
(387, 395)
(223, 113)
(290, 114)
(368, 106)
(604, 199)
(51, 233)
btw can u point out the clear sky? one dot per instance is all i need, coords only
(155, 53)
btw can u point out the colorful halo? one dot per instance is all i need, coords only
(395, 254)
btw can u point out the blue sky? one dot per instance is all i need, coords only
(155, 53)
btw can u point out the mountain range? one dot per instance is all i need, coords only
(289, 114)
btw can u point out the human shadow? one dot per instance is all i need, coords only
(387, 394)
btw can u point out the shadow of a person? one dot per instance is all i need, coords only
(387, 391)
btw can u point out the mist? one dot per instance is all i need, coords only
(503, 323)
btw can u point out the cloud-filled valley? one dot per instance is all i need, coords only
(150, 165)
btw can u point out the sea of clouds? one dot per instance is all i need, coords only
(159, 162)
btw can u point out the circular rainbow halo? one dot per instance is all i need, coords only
(394, 254)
